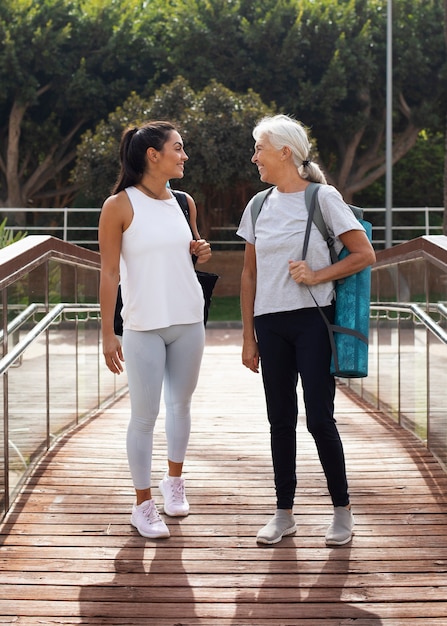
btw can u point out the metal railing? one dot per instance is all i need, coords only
(53, 374)
(50, 318)
(66, 225)
(51, 326)
(424, 221)
(419, 315)
(407, 374)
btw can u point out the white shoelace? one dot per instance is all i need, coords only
(151, 514)
(178, 491)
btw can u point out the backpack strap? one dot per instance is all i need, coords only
(181, 198)
(313, 207)
(314, 210)
(257, 202)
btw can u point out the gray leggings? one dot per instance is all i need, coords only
(168, 357)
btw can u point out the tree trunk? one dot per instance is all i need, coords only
(444, 225)
(444, 228)
(14, 194)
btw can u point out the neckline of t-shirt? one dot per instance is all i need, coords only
(288, 193)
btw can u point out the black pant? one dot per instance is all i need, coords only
(291, 344)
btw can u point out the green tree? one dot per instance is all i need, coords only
(66, 64)
(8, 236)
(325, 63)
(63, 66)
(417, 177)
(444, 225)
(216, 126)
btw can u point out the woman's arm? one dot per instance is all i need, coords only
(199, 247)
(361, 255)
(250, 352)
(116, 215)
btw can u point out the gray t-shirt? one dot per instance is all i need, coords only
(279, 237)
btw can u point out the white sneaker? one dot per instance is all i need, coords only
(340, 531)
(147, 520)
(175, 502)
(281, 525)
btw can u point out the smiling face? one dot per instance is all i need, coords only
(171, 158)
(267, 159)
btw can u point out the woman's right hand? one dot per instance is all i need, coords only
(250, 355)
(113, 354)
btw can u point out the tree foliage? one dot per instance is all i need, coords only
(8, 236)
(216, 126)
(67, 64)
(324, 63)
(63, 66)
(418, 178)
(444, 225)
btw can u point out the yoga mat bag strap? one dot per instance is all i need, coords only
(349, 333)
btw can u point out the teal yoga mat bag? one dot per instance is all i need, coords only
(350, 331)
(350, 357)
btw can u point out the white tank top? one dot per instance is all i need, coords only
(158, 282)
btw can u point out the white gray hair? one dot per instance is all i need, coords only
(282, 130)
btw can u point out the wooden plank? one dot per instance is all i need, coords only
(205, 594)
(246, 608)
(70, 556)
(160, 621)
(214, 580)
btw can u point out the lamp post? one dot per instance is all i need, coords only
(389, 127)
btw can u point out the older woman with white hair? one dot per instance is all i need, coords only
(283, 329)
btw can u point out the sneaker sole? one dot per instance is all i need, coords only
(170, 513)
(339, 543)
(270, 542)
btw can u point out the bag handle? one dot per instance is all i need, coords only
(310, 219)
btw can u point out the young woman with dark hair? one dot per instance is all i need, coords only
(146, 245)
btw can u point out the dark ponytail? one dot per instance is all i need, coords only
(133, 148)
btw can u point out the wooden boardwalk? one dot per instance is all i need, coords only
(70, 556)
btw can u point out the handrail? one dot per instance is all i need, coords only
(407, 344)
(39, 328)
(21, 318)
(77, 234)
(47, 269)
(422, 316)
(21, 257)
(442, 309)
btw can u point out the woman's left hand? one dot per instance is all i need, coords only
(301, 273)
(201, 249)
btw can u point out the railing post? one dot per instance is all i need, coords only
(47, 358)
(65, 233)
(5, 405)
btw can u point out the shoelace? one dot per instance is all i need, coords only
(151, 514)
(178, 490)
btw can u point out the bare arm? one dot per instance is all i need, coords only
(200, 248)
(250, 352)
(361, 255)
(116, 215)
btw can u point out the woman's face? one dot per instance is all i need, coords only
(171, 158)
(267, 158)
